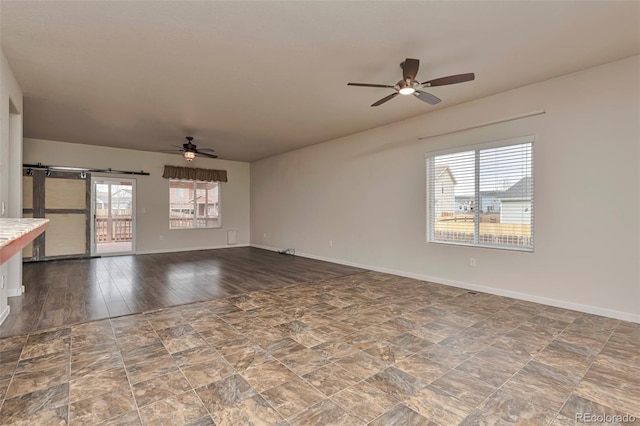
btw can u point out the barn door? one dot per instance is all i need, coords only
(63, 198)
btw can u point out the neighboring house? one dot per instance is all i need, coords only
(490, 201)
(182, 201)
(211, 207)
(516, 202)
(121, 201)
(465, 203)
(444, 194)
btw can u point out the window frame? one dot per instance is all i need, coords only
(430, 192)
(194, 206)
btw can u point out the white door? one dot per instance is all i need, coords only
(113, 213)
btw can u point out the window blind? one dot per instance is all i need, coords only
(482, 195)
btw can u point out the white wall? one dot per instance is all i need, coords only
(366, 194)
(152, 192)
(10, 168)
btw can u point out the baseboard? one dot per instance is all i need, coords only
(14, 292)
(625, 316)
(5, 314)
(270, 248)
(170, 250)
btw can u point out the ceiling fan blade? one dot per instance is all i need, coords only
(385, 99)
(169, 150)
(206, 155)
(451, 79)
(370, 85)
(176, 146)
(410, 69)
(206, 149)
(426, 97)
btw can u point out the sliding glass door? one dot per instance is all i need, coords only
(113, 216)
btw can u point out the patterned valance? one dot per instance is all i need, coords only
(192, 173)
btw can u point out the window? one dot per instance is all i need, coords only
(485, 195)
(193, 204)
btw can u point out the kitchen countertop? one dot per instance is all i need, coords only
(16, 233)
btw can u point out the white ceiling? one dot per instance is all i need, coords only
(255, 79)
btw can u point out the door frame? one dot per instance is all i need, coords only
(112, 180)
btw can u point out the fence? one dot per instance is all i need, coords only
(187, 223)
(489, 239)
(113, 230)
(517, 229)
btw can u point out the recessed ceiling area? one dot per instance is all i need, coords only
(256, 79)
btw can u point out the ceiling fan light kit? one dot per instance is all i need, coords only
(407, 90)
(409, 86)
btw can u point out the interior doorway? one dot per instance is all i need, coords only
(113, 205)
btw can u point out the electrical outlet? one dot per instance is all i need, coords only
(330, 243)
(2, 282)
(264, 236)
(161, 237)
(472, 261)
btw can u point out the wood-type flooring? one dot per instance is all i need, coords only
(74, 291)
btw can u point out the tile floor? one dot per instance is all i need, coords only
(367, 348)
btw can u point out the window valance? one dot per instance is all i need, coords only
(193, 173)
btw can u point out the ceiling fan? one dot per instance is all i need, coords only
(409, 86)
(189, 150)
